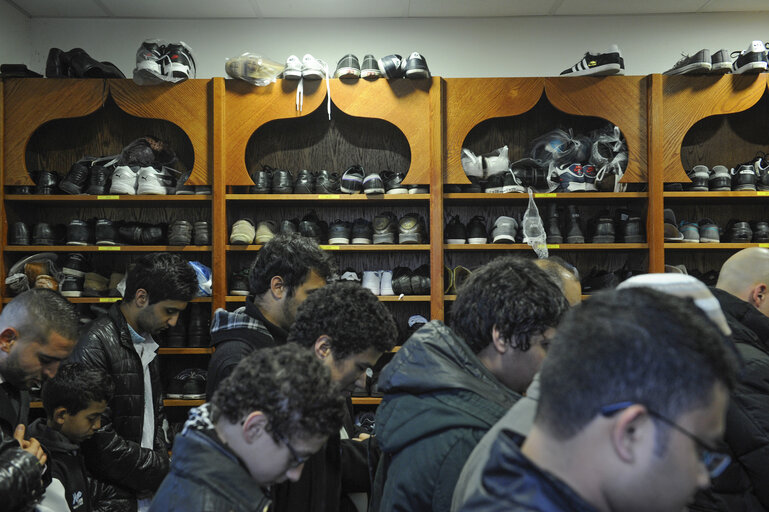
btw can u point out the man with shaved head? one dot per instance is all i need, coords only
(743, 292)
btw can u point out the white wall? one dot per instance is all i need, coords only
(479, 47)
(15, 47)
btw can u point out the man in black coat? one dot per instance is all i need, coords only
(743, 292)
(37, 331)
(158, 288)
(285, 270)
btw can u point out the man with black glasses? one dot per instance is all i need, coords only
(633, 402)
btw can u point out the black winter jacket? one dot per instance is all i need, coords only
(439, 402)
(512, 483)
(21, 477)
(205, 475)
(106, 344)
(235, 335)
(744, 485)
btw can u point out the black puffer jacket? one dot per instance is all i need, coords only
(106, 344)
(744, 486)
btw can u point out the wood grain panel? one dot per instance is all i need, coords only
(470, 101)
(32, 102)
(186, 104)
(689, 99)
(620, 100)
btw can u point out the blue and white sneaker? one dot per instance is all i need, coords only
(570, 178)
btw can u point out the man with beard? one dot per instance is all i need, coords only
(37, 331)
(133, 450)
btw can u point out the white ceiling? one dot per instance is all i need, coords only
(207, 9)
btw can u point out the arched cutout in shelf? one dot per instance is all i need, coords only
(57, 144)
(313, 142)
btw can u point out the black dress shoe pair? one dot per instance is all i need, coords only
(76, 63)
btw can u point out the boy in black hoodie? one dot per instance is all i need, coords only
(74, 401)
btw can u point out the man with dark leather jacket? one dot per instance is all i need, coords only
(37, 331)
(158, 288)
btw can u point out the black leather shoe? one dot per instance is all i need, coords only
(75, 180)
(738, 232)
(310, 227)
(305, 182)
(19, 234)
(202, 233)
(46, 182)
(77, 232)
(198, 326)
(262, 180)
(106, 234)
(327, 182)
(282, 182)
(97, 185)
(760, 232)
(56, 66)
(402, 281)
(42, 234)
(180, 233)
(289, 226)
(82, 65)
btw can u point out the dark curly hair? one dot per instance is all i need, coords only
(637, 345)
(74, 387)
(164, 275)
(289, 385)
(514, 295)
(291, 257)
(350, 315)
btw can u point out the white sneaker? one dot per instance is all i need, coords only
(372, 279)
(386, 285)
(350, 275)
(243, 232)
(124, 181)
(150, 182)
(312, 68)
(293, 69)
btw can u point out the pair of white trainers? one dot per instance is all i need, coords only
(309, 67)
(144, 181)
(380, 282)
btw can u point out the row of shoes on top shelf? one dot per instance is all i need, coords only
(752, 60)
(752, 175)
(708, 231)
(386, 228)
(558, 161)
(354, 180)
(107, 232)
(560, 226)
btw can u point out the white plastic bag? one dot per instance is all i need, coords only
(533, 229)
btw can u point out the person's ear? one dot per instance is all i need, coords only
(142, 298)
(500, 344)
(60, 415)
(758, 295)
(8, 337)
(254, 426)
(277, 287)
(627, 431)
(322, 347)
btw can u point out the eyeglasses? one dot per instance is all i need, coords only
(298, 461)
(714, 461)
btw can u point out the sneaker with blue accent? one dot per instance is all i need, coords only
(691, 231)
(570, 178)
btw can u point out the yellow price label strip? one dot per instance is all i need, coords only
(107, 197)
(764, 245)
(329, 196)
(545, 194)
(553, 246)
(109, 248)
(762, 193)
(109, 299)
(329, 247)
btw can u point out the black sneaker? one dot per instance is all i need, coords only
(719, 178)
(385, 228)
(402, 281)
(476, 230)
(75, 180)
(370, 68)
(362, 232)
(752, 60)
(573, 229)
(77, 232)
(180, 233)
(393, 182)
(339, 232)
(744, 177)
(455, 231)
(416, 67)
(75, 265)
(189, 384)
(99, 180)
(305, 182)
(411, 229)
(178, 63)
(609, 62)
(327, 182)
(282, 182)
(352, 180)
(372, 184)
(239, 283)
(71, 286)
(347, 67)
(392, 66)
(262, 180)
(42, 234)
(202, 233)
(699, 174)
(530, 173)
(289, 226)
(106, 234)
(697, 64)
(19, 234)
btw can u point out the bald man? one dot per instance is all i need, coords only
(743, 292)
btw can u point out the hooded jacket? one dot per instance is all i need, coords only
(744, 485)
(235, 335)
(439, 402)
(512, 483)
(205, 475)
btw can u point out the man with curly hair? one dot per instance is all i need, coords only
(347, 328)
(284, 272)
(265, 420)
(447, 386)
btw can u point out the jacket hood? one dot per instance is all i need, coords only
(433, 383)
(53, 440)
(241, 324)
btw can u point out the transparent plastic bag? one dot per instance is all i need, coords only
(533, 228)
(253, 68)
(204, 279)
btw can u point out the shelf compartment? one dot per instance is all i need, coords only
(346, 248)
(562, 247)
(710, 246)
(618, 196)
(107, 198)
(348, 198)
(107, 248)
